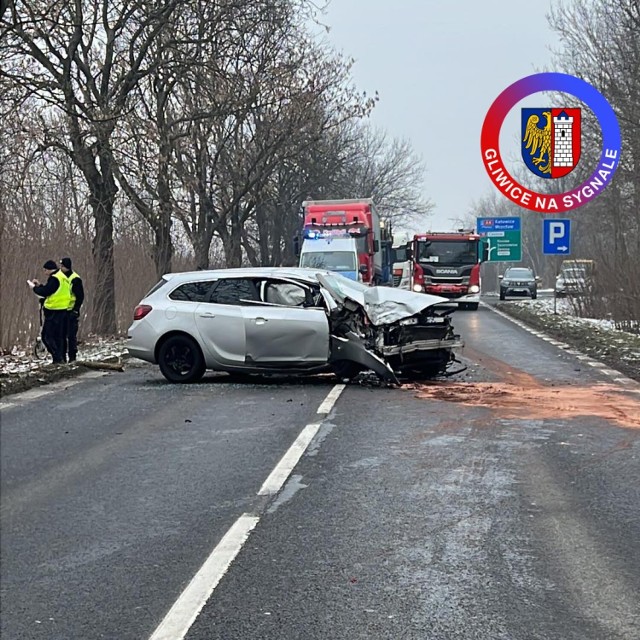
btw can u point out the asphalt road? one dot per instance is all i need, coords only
(502, 503)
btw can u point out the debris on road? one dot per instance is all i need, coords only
(535, 401)
(102, 365)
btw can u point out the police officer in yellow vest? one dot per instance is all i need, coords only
(70, 343)
(57, 298)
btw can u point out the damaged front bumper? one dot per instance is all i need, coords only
(421, 345)
(352, 349)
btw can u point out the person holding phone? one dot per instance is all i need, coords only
(57, 299)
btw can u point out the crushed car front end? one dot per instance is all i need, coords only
(423, 343)
(408, 333)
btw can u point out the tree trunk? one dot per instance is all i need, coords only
(163, 253)
(163, 250)
(233, 243)
(104, 298)
(233, 251)
(201, 249)
(262, 223)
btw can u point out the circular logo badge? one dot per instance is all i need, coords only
(550, 142)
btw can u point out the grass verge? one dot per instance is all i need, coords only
(617, 349)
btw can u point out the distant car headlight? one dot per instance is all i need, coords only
(417, 288)
(474, 288)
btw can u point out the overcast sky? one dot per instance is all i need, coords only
(438, 66)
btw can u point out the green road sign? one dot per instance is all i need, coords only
(504, 246)
(503, 237)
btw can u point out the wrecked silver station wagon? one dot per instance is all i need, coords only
(289, 320)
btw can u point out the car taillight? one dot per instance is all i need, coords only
(141, 311)
(418, 274)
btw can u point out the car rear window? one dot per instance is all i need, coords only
(193, 291)
(156, 286)
(234, 291)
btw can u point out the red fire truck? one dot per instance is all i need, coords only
(447, 264)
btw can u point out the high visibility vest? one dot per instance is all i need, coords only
(59, 301)
(72, 295)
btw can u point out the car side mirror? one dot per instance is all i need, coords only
(500, 277)
(296, 246)
(363, 269)
(538, 279)
(376, 246)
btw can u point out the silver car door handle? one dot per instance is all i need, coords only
(207, 315)
(260, 320)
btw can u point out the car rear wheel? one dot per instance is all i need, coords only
(502, 296)
(180, 360)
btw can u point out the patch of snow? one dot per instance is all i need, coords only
(625, 344)
(20, 361)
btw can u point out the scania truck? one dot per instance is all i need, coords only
(447, 264)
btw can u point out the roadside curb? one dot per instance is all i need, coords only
(616, 376)
(33, 380)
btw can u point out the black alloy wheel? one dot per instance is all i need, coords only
(180, 360)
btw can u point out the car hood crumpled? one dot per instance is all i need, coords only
(383, 305)
(386, 306)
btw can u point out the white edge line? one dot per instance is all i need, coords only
(330, 400)
(185, 610)
(602, 368)
(289, 460)
(24, 397)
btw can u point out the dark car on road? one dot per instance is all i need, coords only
(518, 281)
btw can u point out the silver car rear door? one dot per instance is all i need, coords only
(222, 331)
(220, 321)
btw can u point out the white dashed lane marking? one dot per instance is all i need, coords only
(184, 612)
(602, 368)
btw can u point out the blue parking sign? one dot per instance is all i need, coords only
(556, 236)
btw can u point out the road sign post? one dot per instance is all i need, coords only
(556, 237)
(504, 238)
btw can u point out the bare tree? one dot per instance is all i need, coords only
(389, 171)
(264, 107)
(83, 60)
